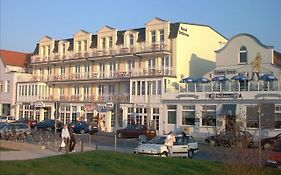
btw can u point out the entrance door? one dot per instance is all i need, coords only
(47, 113)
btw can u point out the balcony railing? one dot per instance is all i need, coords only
(231, 86)
(92, 53)
(112, 74)
(93, 98)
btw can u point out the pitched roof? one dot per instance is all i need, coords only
(13, 58)
(277, 58)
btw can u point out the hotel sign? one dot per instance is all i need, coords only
(183, 31)
(224, 95)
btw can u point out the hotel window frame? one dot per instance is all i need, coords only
(79, 46)
(153, 36)
(172, 114)
(61, 91)
(162, 36)
(186, 119)
(76, 90)
(131, 65)
(243, 55)
(131, 40)
(133, 88)
(85, 45)
(77, 69)
(110, 42)
(103, 43)
(62, 70)
(63, 45)
(102, 70)
(101, 90)
(207, 119)
(1, 86)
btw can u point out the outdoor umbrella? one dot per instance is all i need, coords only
(220, 79)
(240, 78)
(187, 80)
(268, 77)
(203, 81)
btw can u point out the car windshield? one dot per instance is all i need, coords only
(158, 140)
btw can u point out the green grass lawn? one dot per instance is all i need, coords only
(115, 163)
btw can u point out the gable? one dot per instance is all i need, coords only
(81, 33)
(156, 21)
(107, 29)
(46, 39)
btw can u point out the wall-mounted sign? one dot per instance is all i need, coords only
(39, 104)
(224, 95)
(183, 31)
(187, 95)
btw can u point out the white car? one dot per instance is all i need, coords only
(185, 146)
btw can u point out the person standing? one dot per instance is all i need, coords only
(65, 138)
(72, 139)
(169, 142)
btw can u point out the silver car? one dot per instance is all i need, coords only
(17, 130)
(185, 146)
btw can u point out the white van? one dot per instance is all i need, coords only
(7, 119)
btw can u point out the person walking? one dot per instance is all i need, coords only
(65, 138)
(72, 141)
(169, 142)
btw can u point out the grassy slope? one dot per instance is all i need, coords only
(107, 162)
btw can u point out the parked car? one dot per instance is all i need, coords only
(135, 131)
(274, 156)
(29, 121)
(7, 119)
(17, 130)
(82, 127)
(49, 124)
(185, 146)
(238, 138)
(266, 143)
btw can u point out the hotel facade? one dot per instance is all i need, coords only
(85, 77)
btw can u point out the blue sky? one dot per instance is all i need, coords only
(25, 22)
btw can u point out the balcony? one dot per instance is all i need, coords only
(39, 59)
(96, 99)
(112, 75)
(154, 49)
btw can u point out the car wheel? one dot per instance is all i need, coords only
(82, 131)
(119, 135)
(266, 145)
(190, 153)
(164, 154)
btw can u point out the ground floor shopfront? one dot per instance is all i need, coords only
(212, 112)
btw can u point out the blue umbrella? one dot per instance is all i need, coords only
(202, 80)
(240, 78)
(220, 78)
(268, 77)
(187, 80)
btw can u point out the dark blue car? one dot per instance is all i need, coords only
(82, 127)
(49, 124)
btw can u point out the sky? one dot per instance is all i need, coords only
(24, 22)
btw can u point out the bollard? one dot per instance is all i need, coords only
(96, 147)
(82, 146)
(90, 140)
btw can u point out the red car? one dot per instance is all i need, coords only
(274, 157)
(30, 122)
(135, 131)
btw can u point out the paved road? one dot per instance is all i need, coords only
(105, 141)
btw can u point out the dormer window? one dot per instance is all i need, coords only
(103, 43)
(79, 47)
(63, 49)
(110, 42)
(243, 55)
(131, 38)
(85, 45)
(153, 36)
(161, 36)
(46, 51)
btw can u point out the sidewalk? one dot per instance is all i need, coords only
(25, 151)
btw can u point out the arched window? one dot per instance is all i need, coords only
(243, 55)
(131, 39)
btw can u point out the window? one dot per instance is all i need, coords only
(159, 89)
(102, 69)
(153, 36)
(101, 90)
(133, 88)
(153, 87)
(49, 70)
(110, 42)
(161, 36)
(151, 63)
(77, 69)
(76, 90)
(143, 88)
(172, 114)
(103, 43)
(131, 65)
(7, 86)
(62, 70)
(277, 116)
(111, 89)
(79, 47)
(209, 115)
(63, 49)
(61, 91)
(85, 45)
(138, 87)
(112, 68)
(86, 90)
(131, 38)
(243, 55)
(188, 115)
(166, 64)
(155, 117)
(1, 86)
